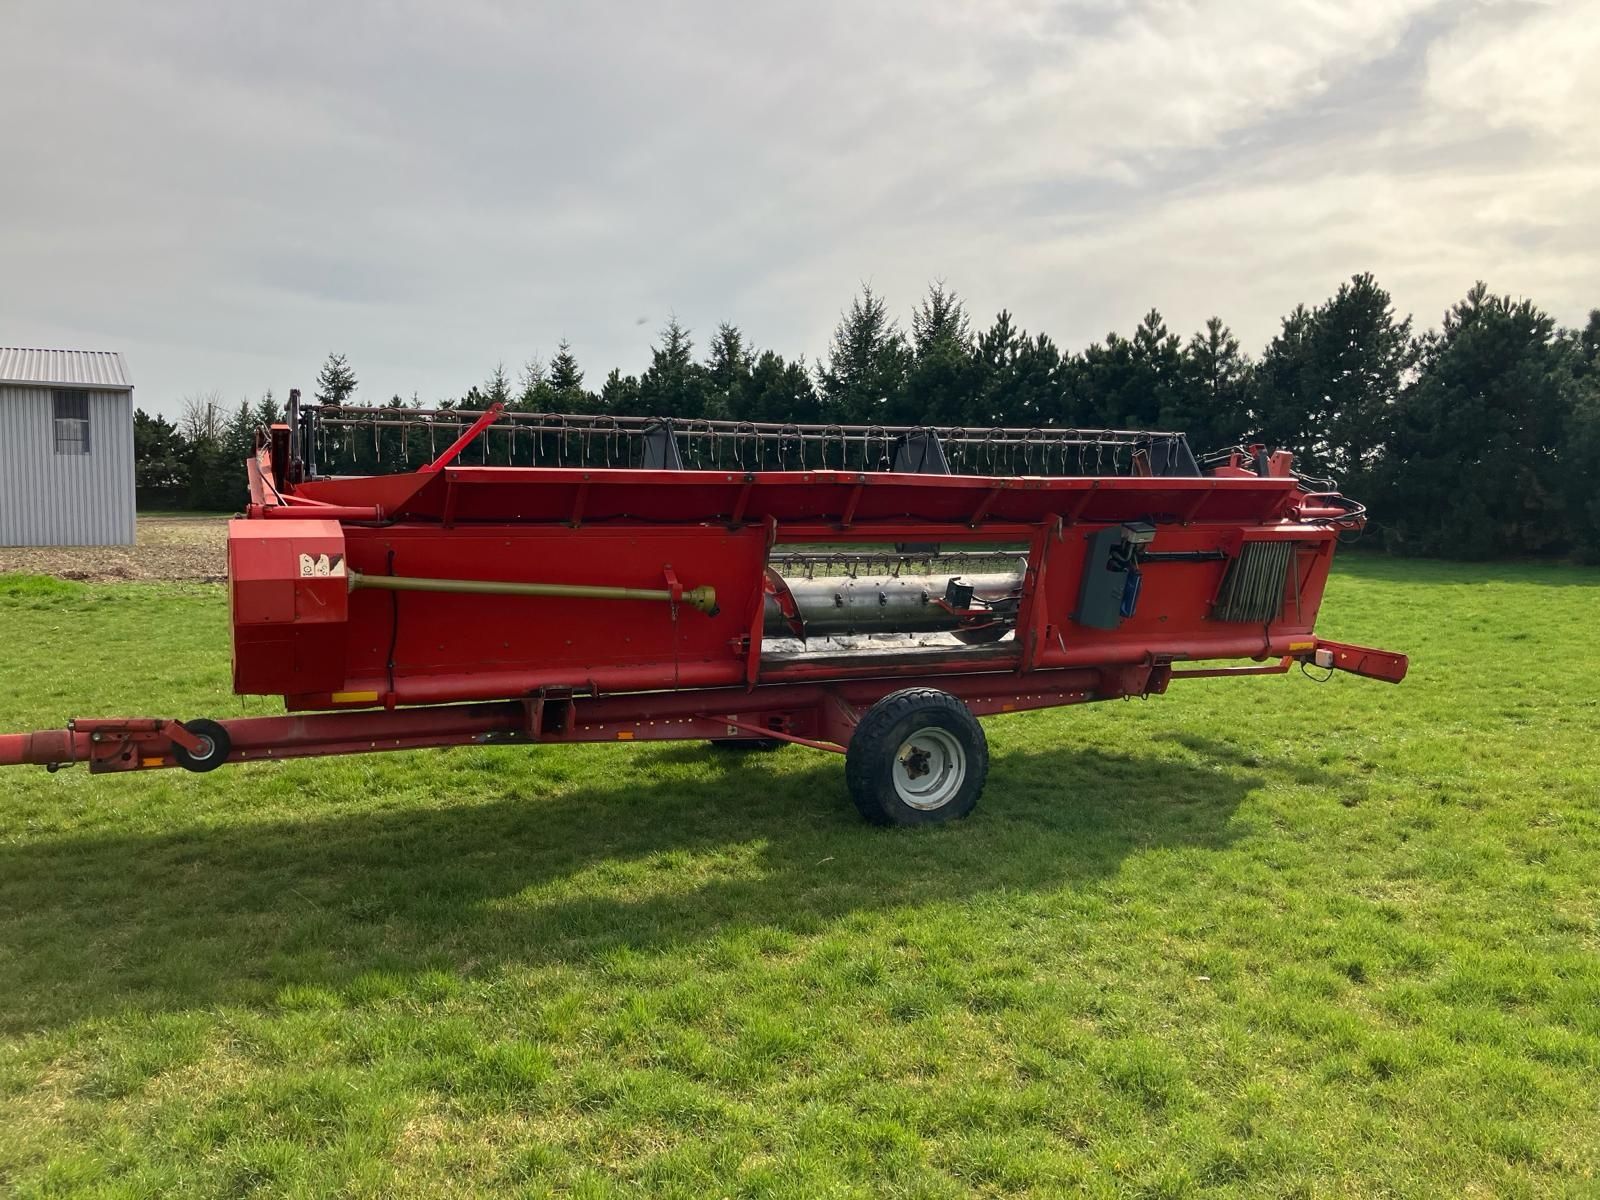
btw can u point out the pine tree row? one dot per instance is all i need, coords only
(1475, 440)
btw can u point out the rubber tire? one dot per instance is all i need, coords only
(753, 745)
(220, 745)
(870, 758)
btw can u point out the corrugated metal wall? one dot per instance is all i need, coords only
(50, 499)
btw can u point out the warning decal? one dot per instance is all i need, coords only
(321, 564)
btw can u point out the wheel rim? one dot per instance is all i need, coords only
(929, 768)
(205, 750)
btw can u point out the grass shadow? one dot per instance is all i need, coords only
(1299, 770)
(204, 916)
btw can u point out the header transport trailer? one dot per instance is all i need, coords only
(866, 590)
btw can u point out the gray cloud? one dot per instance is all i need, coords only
(227, 193)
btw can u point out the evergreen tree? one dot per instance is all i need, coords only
(268, 413)
(497, 390)
(1328, 384)
(1041, 384)
(565, 374)
(728, 368)
(864, 378)
(1016, 380)
(939, 319)
(1589, 343)
(1129, 383)
(535, 393)
(782, 392)
(1580, 445)
(942, 373)
(160, 467)
(566, 381)
(674, 385)
(619, 395)
(239, 436)
(1158, 355)
(1213, 406)
(1370, 355)
(395, 448)
(994, 401)
(207, 469)
(336, 382)
(1474, 470)
(1282, 377)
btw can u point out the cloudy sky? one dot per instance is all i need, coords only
(227, 192)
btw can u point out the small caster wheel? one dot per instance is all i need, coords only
(214, 746)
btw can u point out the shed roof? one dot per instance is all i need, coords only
(103, 369)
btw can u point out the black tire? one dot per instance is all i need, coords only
(918, 757)
(213, 751)
(752, 745)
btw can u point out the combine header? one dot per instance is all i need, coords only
(866, 590)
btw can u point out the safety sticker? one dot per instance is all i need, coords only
(312, 565)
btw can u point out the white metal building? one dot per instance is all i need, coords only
(66, 448)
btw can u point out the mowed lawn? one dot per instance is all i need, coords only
(1256, 937)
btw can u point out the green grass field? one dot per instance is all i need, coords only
(1256, 937)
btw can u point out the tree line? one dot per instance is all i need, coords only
(1477, 439)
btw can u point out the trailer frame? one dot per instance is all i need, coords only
(813, 714)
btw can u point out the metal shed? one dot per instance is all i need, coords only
(66, 448)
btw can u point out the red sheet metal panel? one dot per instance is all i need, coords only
(543, 494)
(431, 647)
(287, 591)
(1174, 618)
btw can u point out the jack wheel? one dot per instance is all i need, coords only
(918, 757)
(214, 746)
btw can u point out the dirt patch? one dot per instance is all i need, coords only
(168, 548)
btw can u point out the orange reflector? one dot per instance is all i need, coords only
(624, 735)
(354, 697)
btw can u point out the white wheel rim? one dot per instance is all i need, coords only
(929, 768)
